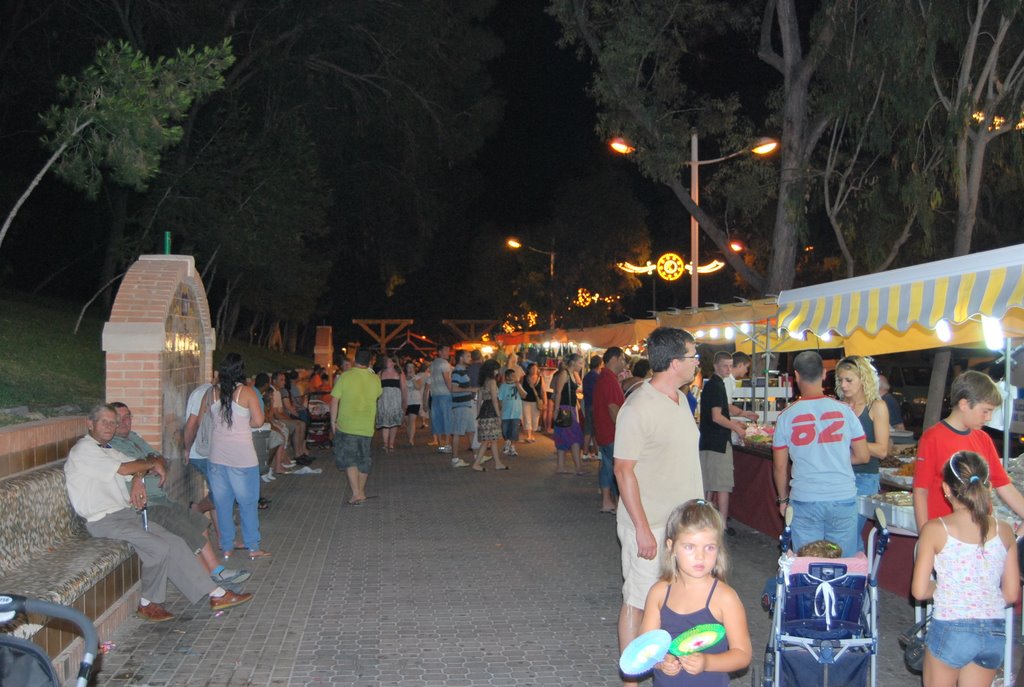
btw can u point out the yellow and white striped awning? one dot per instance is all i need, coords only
(953, 290)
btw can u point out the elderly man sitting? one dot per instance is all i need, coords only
(106, 488)
(187, 524)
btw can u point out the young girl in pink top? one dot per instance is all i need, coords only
(976, 579)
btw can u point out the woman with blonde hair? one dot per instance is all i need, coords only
(857, 386)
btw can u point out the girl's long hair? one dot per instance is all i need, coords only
(694, 515)
(966, 475)
(487, 371)
(230, 373)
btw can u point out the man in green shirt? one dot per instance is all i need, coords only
(353, 411)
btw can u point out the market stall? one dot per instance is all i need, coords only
(621, 334)
(973, 298)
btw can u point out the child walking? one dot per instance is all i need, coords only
(975, 579)
(511, 396)
(692, 591)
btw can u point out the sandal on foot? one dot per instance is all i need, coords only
(253, 555)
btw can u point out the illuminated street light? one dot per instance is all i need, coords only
(514, 243)
(621, 146)
(762, 146)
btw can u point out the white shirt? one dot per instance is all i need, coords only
(94, 487)
(1005, 389)
(194, 405)
(730, 387)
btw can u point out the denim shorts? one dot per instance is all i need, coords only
(959, 642)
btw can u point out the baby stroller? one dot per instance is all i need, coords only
(825, 618)
(22, 663)
(318, 433)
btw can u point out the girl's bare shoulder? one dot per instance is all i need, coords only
(724, 592)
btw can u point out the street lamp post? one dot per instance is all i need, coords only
(516, 244)
(762, 146)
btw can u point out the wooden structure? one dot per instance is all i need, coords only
(386, 330)
(470, 330)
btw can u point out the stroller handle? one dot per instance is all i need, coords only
(11, 604)
(786, 538)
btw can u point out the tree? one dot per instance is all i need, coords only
(122, 114)
(252, 207)
(973, 55)
(642, 53)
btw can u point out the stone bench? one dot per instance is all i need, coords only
(46, 553)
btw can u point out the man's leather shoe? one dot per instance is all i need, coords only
(219, 603)
(154, 613)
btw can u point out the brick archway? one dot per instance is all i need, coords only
(159, 345)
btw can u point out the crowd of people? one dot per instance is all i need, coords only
(666, 472)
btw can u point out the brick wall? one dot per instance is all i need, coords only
(159, 345)
(34, 444)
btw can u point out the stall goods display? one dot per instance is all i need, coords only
(760, 434)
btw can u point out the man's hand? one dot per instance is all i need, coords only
(749, 414)
(138, 493)
(646, 544)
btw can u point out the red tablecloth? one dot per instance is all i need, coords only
(753, 504)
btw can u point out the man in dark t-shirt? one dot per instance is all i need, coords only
(716, 427)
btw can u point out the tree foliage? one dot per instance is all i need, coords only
(122, 112)
(133, 106)
(358, 119)
(643, 56)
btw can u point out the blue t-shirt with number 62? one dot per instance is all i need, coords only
(818, 433)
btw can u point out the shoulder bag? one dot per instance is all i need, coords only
(204, 435)
(913, 641)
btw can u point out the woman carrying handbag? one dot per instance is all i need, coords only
(568, 433)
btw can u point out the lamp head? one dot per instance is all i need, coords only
(764, 146)
(621, 146)
(513, 243)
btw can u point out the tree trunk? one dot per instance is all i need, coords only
(231, 323)
(37, 178)
(291, 336)
(937, 386)
(118, 217)
(799, 135)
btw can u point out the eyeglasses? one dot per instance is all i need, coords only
(684, 357)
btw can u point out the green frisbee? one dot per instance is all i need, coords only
(697, 639)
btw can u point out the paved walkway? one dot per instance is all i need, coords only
(447, 577)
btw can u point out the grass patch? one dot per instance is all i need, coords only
(44, 364)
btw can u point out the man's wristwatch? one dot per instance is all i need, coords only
(782, 501)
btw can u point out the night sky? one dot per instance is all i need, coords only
(546, 138)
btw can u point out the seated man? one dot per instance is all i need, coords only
(105, 487)
(279, 463)
(295, 400)
(279, 413)
(187, 524)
